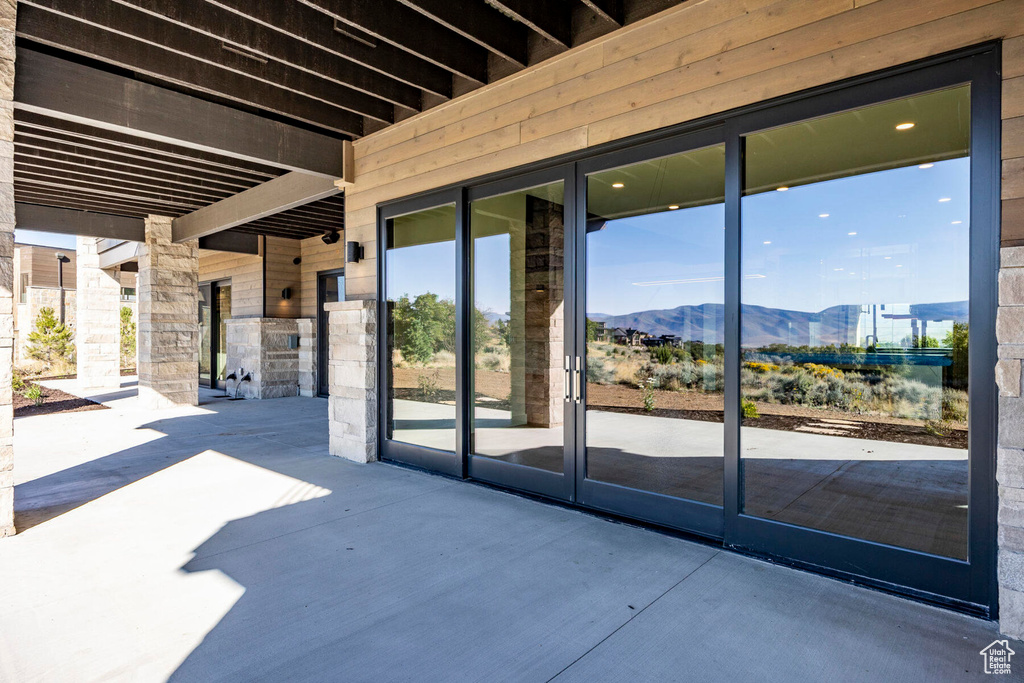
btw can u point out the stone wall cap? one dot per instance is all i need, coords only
(355, 305)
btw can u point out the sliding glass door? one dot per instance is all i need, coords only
(653, 246)
(521, 379)
(775, 331)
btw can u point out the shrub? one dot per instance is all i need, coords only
(50, 341)
(748, 409)
(954, 405)
(35, 394)
(489, 361)
(757, 366)
(598, 372)
(429, 385)
(17, 381)
(128, 334)
(647, 394)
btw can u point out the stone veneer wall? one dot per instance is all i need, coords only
(1010, 458)
(8, 13)
(307, 357)
(168, 326)
(352, 405)
(260, 347)
(98, 328)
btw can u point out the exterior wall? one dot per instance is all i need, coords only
(283, 272)
(168, 332)
(317, 257)
(40, 264)
(700, 59)
(352, 405)
(260, 347)
(246, 274)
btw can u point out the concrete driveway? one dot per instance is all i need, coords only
(223, 543)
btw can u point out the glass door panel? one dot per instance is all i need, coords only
(223, 311)
(330, 288)
(205, 333)
(420, 288)
(655, 298)
(518, 378)
(854, 323)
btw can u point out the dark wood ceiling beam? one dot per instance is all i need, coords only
(47, 21)
(316, 226)
(108, 193)
(287, 36)
(610, 10)
(99, 160)
(550, 18)
(273, 231)
(70, 178)
(411, 31)
(75, 172)
(154, 61)
(71, 199)
(30, 121)
(278, 51)
(70, 222)
(63, 89)
(130, 155)
(480, 23)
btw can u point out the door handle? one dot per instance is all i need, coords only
(579, 371)
(568, 370)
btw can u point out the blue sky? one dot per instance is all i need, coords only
(798, 250)
(45, 239)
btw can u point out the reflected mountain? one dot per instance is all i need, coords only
(845, 324)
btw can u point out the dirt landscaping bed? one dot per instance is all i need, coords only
(54, 401)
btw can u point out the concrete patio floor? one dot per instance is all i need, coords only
(223, 543)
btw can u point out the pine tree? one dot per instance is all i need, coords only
(128, 333)
(50, 341)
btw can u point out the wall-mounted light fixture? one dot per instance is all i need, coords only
(353, 252)
(331, 237)
(286, 293)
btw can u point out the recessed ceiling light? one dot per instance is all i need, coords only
(923, 166)
(904, 126)
(618, 186)
(767, 242)
(887, 258)
(781, 189)
(673, 207)
(946, 199)
(837, 269)
(822, 215)
(899, 265)
(851, 234)
(957, 222)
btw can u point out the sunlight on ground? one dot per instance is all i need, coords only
(106, 578)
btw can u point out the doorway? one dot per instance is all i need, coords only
(330, 287)
(214, 312)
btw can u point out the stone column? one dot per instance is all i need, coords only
(8, 10)
(1010, 457)
(97, 320)
(537, 279)
(307, 356)
(168, 332)
(352, 406)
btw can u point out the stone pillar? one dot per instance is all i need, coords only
(8, 11)
(352, 406)
(168, 332)
(1010, 457)
(536, 325)
(307, 357)
(260, 347)
(97, 319)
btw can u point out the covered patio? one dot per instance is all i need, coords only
(223, 542)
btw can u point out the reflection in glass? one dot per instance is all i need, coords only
(654, 307)
(223, 315)
(518, 252)
(854, 323)
(205, 331)
(420, 295)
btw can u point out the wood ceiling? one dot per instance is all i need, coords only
(345, 68)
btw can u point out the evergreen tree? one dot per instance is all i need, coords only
(128, 329)
(51, 341)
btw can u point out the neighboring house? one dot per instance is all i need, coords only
(36, 278)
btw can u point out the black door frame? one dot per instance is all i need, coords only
(558, 485)
(969, 585)
(322, 344)
(214, 285)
